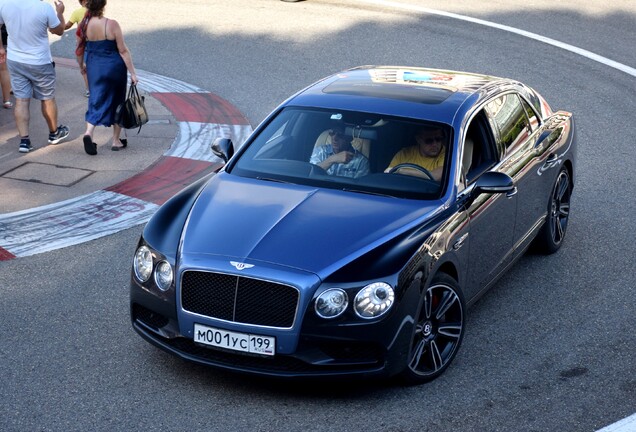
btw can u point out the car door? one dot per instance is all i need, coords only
(518, 131)
(491, 216)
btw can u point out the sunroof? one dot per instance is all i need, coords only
(412, 85)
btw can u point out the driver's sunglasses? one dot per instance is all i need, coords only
(432, 140)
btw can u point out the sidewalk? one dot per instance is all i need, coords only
(52, 173)
(57, 195)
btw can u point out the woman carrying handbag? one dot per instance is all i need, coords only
(104, 57)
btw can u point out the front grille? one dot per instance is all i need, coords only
(239, 299)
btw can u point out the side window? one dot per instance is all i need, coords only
(510, 119)
(532, 116)
(479, 149)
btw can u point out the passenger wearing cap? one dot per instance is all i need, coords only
(338, 157)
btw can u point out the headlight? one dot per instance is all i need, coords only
(331, 303)
(163, 275)
(374, 300)
(142, 263)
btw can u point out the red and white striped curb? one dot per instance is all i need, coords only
(201, 117)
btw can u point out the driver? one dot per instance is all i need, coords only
(428, 152)
(340, 158)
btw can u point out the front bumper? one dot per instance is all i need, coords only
(378, 348)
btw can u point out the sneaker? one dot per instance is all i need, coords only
(60, 134)
(25, 146)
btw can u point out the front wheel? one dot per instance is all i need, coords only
(438, 331)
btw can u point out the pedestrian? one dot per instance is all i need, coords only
(30, 64)
(5, 79)
(107, 61)
(76, 17)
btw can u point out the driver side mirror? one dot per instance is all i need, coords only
(223, 148)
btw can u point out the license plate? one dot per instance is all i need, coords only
(257, 344)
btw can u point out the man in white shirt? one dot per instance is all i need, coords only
(30, 64)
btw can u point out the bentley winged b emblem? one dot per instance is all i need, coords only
(240, 265)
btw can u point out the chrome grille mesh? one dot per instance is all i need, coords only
(239, 299)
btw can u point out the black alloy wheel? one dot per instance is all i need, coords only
(551, 236)
(438, 331)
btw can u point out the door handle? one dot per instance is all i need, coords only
(551, 161)
(460, 242)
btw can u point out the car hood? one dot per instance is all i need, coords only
(312, 229)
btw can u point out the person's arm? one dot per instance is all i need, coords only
(395, 161)
(76, 17)
(80, 58)
(3, 54)
(124, 52)
(59, 10)
(343, 157)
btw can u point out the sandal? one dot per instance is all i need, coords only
(124, 143)
(7, 104)
(89, 146)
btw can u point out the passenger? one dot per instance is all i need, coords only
(339, 157)
(428, 152)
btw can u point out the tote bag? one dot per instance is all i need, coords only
(131, 113)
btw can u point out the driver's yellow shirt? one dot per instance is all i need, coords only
(412, 155)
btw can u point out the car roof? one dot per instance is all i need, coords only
(421, 93)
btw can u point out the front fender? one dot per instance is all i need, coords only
(163, 230)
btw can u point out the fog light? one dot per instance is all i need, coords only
(163, 275)
(374, 300)
(331, 303)
(142, 264)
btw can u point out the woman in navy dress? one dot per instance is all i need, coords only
(105, 59)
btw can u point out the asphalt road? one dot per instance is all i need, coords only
(551, 347)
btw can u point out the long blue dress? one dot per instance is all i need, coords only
(107, 79)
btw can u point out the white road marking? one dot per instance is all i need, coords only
(626, 425)
(584, 53)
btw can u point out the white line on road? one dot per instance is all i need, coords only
(588, 54)
(626, 425)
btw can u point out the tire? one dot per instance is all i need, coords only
(552, 234)
(438, 332)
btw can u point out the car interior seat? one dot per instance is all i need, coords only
(467, 158)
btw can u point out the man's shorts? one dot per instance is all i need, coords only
(37, 81)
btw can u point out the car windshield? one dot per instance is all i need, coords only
(348, 150)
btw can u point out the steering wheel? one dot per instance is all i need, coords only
(423, 170)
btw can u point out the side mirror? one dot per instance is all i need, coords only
(494, 182)
(223, 148)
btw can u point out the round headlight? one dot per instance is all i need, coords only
(163, 275)
(374, 300)
(331, 303)
(142, 264)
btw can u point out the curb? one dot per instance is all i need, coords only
(201, 117)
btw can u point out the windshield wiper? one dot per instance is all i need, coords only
(368, 192)
(273, 180)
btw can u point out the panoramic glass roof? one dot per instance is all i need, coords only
(413, 85)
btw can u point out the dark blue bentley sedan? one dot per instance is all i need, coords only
(358, 222)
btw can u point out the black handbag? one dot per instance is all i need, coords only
(131, 113)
